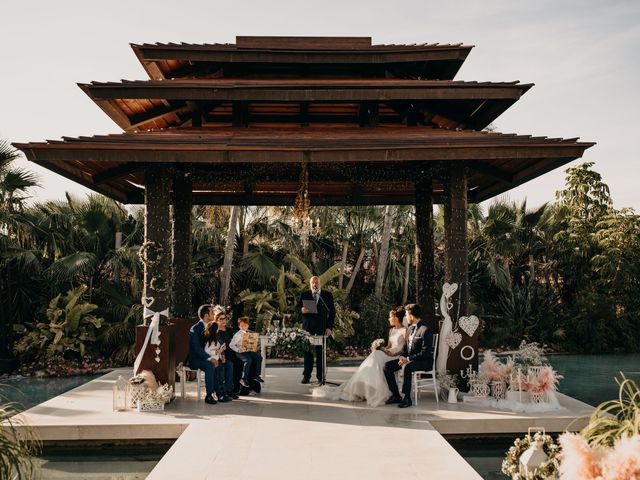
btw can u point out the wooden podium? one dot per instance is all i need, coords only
(165, 369)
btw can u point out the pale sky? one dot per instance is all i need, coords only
(582, 56)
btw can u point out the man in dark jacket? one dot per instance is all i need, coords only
(317, 320)
(419, 356)
(198, 358)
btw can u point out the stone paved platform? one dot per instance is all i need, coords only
(286, 433)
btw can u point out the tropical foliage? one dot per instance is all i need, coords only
(18, 444)
(565, 274)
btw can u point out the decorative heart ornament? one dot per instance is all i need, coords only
(453, 339)
(147, 301)
(469, 324)
(449, 289)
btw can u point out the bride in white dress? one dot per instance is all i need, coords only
(368, 382)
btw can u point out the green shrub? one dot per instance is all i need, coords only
(373, 322)
(72, 328)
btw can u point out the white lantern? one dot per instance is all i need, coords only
(120, 391)
(533, 456)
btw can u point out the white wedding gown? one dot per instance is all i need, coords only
(368, 382)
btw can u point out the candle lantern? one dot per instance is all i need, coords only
(533, 456)
(120, 394)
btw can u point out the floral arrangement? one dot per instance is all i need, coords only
(493, 369)
(58, 366)
(447, 380)
(477, 378)
(530, 355)
(511, 463)
(545, 381)
(289, 342)
(353, 352)
(580, 460)
(137, 379)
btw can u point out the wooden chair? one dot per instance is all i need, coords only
(423, 379)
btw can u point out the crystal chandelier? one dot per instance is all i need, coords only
(303, 225)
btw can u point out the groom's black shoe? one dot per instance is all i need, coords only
(392, 400)
(406, 402)
(305, 380)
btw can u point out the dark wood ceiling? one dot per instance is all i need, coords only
(262, 165)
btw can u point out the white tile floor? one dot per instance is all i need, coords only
(285, 433)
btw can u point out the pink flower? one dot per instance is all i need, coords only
(578, 460)
(623, 461)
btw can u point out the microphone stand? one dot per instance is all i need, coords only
(324, 380)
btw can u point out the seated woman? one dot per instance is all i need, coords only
(215, 350)
(368, 382)
(249, 358)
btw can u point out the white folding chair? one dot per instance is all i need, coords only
(422, 380)
(182, 373)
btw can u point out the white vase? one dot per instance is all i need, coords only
(453, 395)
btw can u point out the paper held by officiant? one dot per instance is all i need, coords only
(310, 305)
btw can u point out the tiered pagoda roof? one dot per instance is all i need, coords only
(241, 118)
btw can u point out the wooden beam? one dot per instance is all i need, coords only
(456, 258)
(372, 55)
(181, 265)
(298, 93)
(424, 244)
(116, 172)
(240, 114)
(491, 171)
(155, 113)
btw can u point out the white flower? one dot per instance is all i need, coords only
(292, 335)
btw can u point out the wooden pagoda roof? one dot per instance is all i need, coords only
(282, 56)
(241, 118)
(158, 104)
(255, 166)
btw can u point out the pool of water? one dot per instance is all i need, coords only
(99, 463)
(30, 391)
(484, 454)
(589, 378)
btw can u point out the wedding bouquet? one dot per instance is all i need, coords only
(377, 344)
(289, 342)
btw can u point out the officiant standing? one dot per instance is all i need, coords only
(318, 314)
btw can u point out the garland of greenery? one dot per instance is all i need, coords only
(151, 255)
(511, 463)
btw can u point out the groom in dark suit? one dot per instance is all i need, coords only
(419, 356)
(319, 323)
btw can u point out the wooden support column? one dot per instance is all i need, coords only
(157, 273)
(456, 260)
(182, 288)
(425, 268)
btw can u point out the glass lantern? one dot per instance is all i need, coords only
(533, 457)
(120, 394)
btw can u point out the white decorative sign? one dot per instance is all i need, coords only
(469, 324)
(449, 289)
(453, 339)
